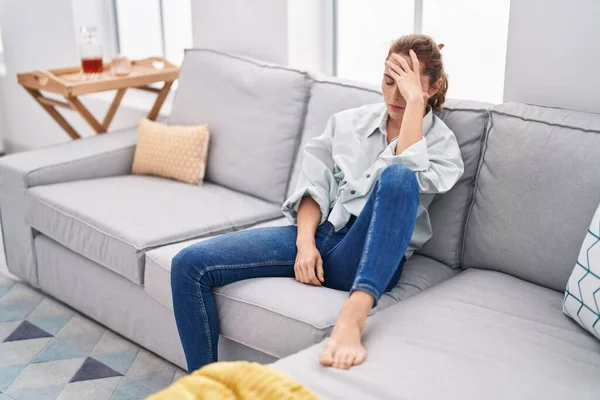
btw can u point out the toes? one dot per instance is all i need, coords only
(327, 354)
(349, 360)
(335, 362)
(340, 359)
(360, 357)
(326, 360)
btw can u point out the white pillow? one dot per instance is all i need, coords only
(582, 296)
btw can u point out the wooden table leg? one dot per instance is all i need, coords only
(112, 110)
(85, 114)
(53, 113)
(162, 96)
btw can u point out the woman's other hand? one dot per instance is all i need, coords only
(308, 267)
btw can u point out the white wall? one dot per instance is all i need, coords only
(97, 13)
(553, 56)
(475, 34)
(40, 39)
(309, 35)
(48, 38)
(289, 32)
(256, 28)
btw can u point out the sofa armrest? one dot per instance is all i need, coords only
(99, 156)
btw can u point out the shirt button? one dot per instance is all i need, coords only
(368, 175)
(353, 192)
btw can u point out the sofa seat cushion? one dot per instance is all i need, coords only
(157, 272)
(279, 316)
(113, 221)
(480, 335)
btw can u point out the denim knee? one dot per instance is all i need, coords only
(398, 181)
(183, 266)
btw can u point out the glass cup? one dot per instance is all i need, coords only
(120, 66)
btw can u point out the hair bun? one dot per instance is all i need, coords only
(441, 46)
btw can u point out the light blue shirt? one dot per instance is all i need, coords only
(340, 167)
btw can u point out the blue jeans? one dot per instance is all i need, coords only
(367, 255)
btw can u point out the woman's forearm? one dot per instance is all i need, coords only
(309, 216)
(412, 125)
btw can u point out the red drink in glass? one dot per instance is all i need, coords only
(91, 65)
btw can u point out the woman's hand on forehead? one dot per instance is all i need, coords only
(408, 80)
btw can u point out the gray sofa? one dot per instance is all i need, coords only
(476, 314)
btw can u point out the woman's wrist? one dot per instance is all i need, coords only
(415, 102)
(305, 240)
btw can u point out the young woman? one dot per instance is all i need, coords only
(359, 211)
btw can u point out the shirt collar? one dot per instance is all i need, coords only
(380, 123)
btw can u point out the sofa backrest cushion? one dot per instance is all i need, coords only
(329, 96)
(255, 111)
(448, 211)
(537, 187)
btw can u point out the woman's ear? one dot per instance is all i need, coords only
(435, 88)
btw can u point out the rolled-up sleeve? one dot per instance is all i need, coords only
(316, 177)
(435, 159)
(415, 157)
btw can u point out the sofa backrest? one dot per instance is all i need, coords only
(448, 212)
(255, 111)
(327, 97)
(537, 188)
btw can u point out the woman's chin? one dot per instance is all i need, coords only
(395, 112)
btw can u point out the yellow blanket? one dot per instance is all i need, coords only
(238, 380)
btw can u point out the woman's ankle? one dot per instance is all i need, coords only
(357, 307)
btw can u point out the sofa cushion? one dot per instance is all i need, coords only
(171, 151)
(279, 316)
(536, 192)
(114, 220)
(582, 294)
(255, 111)
(157, 273)
(480, 335)
(329, 96)
(448, 212)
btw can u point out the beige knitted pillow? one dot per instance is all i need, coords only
(171, 151)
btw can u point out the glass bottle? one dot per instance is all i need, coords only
(90, 52)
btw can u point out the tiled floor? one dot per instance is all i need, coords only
(49, 351)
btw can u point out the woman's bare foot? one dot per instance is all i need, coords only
(344, 349)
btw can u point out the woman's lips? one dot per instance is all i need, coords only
(395, 107)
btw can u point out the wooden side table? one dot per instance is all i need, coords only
(70, 83)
